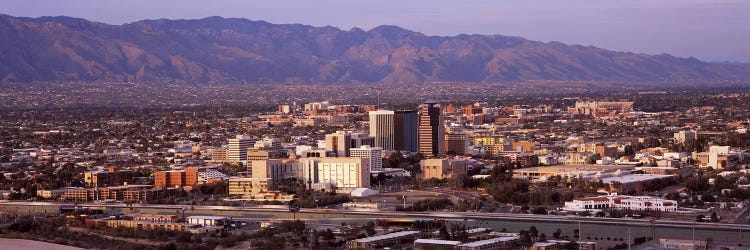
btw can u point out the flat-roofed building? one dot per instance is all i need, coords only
(382, 128)
(456, 143)
(341, 174)
(433, 244)
(110, 177)
(219, 155)
(431, 132)
(405, 133)
(275, 170)
(499, 243)
(339, 142)
(372, 154)
(237, 148)
(176, 178)
(382, 241)
(446, 168)
(581, 171)
(623, 202)
(677, 244)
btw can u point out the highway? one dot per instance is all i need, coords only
(589, 225)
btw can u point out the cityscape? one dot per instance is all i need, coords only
(132, 136)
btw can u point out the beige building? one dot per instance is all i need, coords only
(339, 142)
(274, 169)
(600, 108)
(218, 155)
(445, 168)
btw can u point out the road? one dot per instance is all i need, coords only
(591, 226)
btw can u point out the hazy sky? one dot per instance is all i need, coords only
(712, 30)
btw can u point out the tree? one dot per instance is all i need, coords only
(444, 235)
(542, 238)
(370, 228)
(714, 217)
(539, 210)
(525, 238)
(533, 232)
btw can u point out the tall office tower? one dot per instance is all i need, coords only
(405, 134)
(431, 130)
(339, 142)
(237, 150)
(381, 127)
(372, 154)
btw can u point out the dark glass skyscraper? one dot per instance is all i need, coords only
(405, 134)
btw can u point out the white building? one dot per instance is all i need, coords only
(622, 202)
(208, 220)
(372, 154)
(342, 173)
(237, 149)
(362, 192)
(382, 128)
(209, 175)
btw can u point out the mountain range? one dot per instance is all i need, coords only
(234, 50)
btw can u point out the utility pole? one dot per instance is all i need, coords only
(580, 236)
(630, 239)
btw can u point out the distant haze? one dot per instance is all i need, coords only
(710, 30)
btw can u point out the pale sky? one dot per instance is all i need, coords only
(710, 30)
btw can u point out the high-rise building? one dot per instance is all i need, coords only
(372, 154)
(339, 142)
(456, 143)
(381, 127)
(405, 130)
(431, 131)
(237, 149)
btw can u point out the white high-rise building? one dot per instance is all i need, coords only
(237, 149)
(372, 154)
(381, 127)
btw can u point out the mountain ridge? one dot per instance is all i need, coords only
(238, 50)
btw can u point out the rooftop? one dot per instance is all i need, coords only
(634, 178)
(387, 236)
(437, 242)
(489, 241)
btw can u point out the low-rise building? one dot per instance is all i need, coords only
(445, 168)
(635, 203)
(675, 244)
(499, 243)
(381, 241)
(433, 244)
